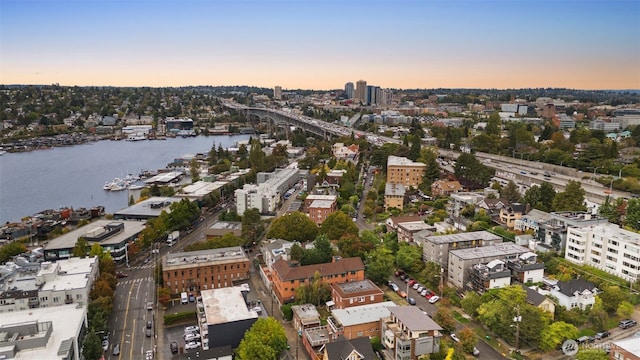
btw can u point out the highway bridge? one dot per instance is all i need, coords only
(522, 172)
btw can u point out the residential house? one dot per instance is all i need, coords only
(334, 177)
(538, 300)
(340, 151)
(625, 349)
(319, 210)
(510, 213)
(288, 276)
(392, 222)
(460, 200)
(436, 248)
(305, 316)
(445, 187)
(357, 321)
(274, 249)
(492, 206)
(526, 268)
(355, 293)
(408, 333)
(345, 349)
(575, 293)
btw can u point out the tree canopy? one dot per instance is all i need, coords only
(338, 224)
(294, 226)
(571, 199)
(265, 340)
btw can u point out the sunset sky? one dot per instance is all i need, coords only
(321, 44)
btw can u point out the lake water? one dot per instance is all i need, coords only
(73, 176)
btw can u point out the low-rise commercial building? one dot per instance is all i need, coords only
(196, 271)
(221, 228)
(147, 209)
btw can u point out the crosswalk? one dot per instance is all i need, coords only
(135, 281)
(140, 267)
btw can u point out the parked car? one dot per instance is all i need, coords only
(121, 275)
(411, 301)
(190, 329)
(412, 282)
(402, 294)
(602, 335)
(419, 289)
(192, 345)
(394, 287)
(116, 350)
(415, 286)
(174, 347)
(585, 340)
(399, 272)
(191, 337)
(475, 351)
(625, 324)
(434, 299)
(423, 293)
(455, 338)
(105, 345)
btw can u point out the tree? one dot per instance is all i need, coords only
(598, 317)
(317, 292)
(493, 124)
(92, 348)
(416, 144)
(409, 258)
(555, 334)
(611, 297)
(380, 265)
(81, 249)
(338, 224)
(321, 253)
(265, 340)
(471, 171)
(353, 245)
(164, 296)
(591, 354)
(445, 319)
(571, 199)
(10, 250)
(632, 219)
(510, 192)
(252, 226)
(624, 310)
(193, 170)
(471, 302)
(468, 339)
(294, 226)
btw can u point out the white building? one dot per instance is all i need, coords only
(43, 334)
(266, 196)
(606, 247)
(575, 293)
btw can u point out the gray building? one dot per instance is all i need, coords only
(436, 248)
(461, 262)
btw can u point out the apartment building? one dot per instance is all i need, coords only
(606, 247)
(195, 271)
(288, 276)
(394, 196)
(357, 321)
(407, 230)
(355, 293)
(461, 261)
(436, 248)
(267, 195)
(493, 275)
(319, 210)
(408, 333)
(401, 170)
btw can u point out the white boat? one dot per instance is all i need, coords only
(136, 137)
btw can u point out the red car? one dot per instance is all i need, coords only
(121, 275)
(412, 282)
(399, 273)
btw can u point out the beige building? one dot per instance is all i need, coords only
(401, 170)
(394, 196)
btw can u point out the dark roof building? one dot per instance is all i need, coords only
(355, 349)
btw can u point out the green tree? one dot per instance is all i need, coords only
(632, 219)
(510, 192)
(252, 226)
(624, 310)
(470, 171)
(10, 250)
(338, 224)
(471, 302)
(321, 253)
(444, 318)
(555, 334)
(380, 265)
(409, 258)
(591, 354)
(317, 292)
(193, 170)
(571, 199)
(468, 339)
(91, 347)
(81, 249)
(416, 144)
(353, 245)
(294, 226)
(611, 297)
(494, 124)
(265, 340)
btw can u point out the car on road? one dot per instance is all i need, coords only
(602, 335)
(174, 347)
(455, 338)
(116, 350)
(625, 324)
(150, 305)
(121, 275)
(148, 355)
(434, 299)
(192, 345)
(191, 337)
(105, 345)
(190, 329)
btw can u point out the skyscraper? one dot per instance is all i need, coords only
(277, 93)
(348, 90)
(361, 89)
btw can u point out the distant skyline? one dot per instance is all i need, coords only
(322, 44)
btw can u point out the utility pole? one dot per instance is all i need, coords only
(517, 320)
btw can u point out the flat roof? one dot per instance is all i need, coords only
(68, 240)
(199, 189)
(501, 249)
(394, 189)
(66, 322)
(164, 177)
(362, 314)
(306, 312)
(203, 257)
(413, 318)
(321, 204)
(631, 345)
(225, 305)
(415, 226)
(321, 197)
(226, 225)
(66, 282)
(152, 207)
(402, 161)
(459, 237)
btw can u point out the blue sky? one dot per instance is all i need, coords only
(322, 44)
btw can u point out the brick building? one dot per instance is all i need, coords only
(401, 170)
(287, 277)
(205, 269)
(355, 293)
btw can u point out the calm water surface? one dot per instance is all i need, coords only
(73, 176)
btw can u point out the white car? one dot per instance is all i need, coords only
(192, 345)
(455, 338)
(423, 293)
(191, 337)
(434, 299)
(190, 329)
(148, 355)
(419, 289)
(415, 286)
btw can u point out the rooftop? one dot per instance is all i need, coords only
(342, 266)
(501, 249)
(631, 345)
(68, 240)
(200, 189)
(226, 225)
(614, 232)
(203, 257)
(225, 305)
(460, 237)
(402, 161)
(152, 207)
(394, 189)
(414, 226)
(164, 178)
(306, 312)
(362, 314)
(321, 204)
(413, 318)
